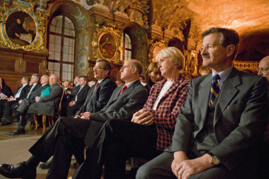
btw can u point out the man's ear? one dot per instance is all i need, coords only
(134, 70)
(230, 50)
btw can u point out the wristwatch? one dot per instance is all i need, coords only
(214, 159)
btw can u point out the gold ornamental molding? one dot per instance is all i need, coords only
(243, 65)
(155, 47)
(21, 27)
(106, 44)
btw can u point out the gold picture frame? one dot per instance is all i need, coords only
(106, 44)
(21, 27)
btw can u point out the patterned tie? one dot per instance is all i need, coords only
(123, 88)
(214, 91)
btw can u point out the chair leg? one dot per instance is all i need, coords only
(44, 119)
(35, 120)
(51, 122)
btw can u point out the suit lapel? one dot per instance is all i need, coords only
(128, 90)
(228, 92)
(204, 98)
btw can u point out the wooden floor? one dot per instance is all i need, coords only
(4, 130)
(41, 174)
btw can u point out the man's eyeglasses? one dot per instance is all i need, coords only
(208, 47)
(97, 68)
(263, 70)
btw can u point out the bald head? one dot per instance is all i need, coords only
(53, 79)
(264, 67)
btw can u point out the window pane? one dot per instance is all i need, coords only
(52, 28)
(57, 48)
(51, 47)
(57, 56)
(59, 30)
(51, 55)
(58, 39)
(65, 58)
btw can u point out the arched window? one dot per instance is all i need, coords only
(61, 47)
(126, 46)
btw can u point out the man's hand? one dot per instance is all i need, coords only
(85, 115)
(72, 103)
(11, 98)
(143, 117)
(179, 157)
(77, 117)
(186, 168)
(4, 97)
(20, 101)
(37, 99)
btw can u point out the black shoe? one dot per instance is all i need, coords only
(17, 132)
(18, 171)
(5, 122)
(45, 165)
(10, 119)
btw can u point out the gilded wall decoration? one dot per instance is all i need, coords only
(106, 44)
(155, 47)
(21, 27)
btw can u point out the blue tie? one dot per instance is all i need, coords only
(214, 91)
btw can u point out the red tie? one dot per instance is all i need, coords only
(123, 88)
(96, 86)
(0, 89)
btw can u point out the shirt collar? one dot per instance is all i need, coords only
(223, 75)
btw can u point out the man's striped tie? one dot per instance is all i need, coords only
(214, 91)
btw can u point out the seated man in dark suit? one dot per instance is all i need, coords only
(221, 123)
(69, 94)
(23, 107)
(48, 105)
(21, 93)
(33, 89)
(67, 134)
(97, 97)
(79, 98)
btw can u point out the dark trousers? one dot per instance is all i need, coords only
(22, 108)
(117, 141)
(5, 108)
(71, 110)
(64, 138)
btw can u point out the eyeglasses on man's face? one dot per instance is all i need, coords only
(263, 70)
(208, 47)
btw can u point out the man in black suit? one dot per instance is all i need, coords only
(221, 123)
(25, 104)
(67, 134)
(69, 94)
(20, 94)
(96, 99)
(33, 91)
(79, 98)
